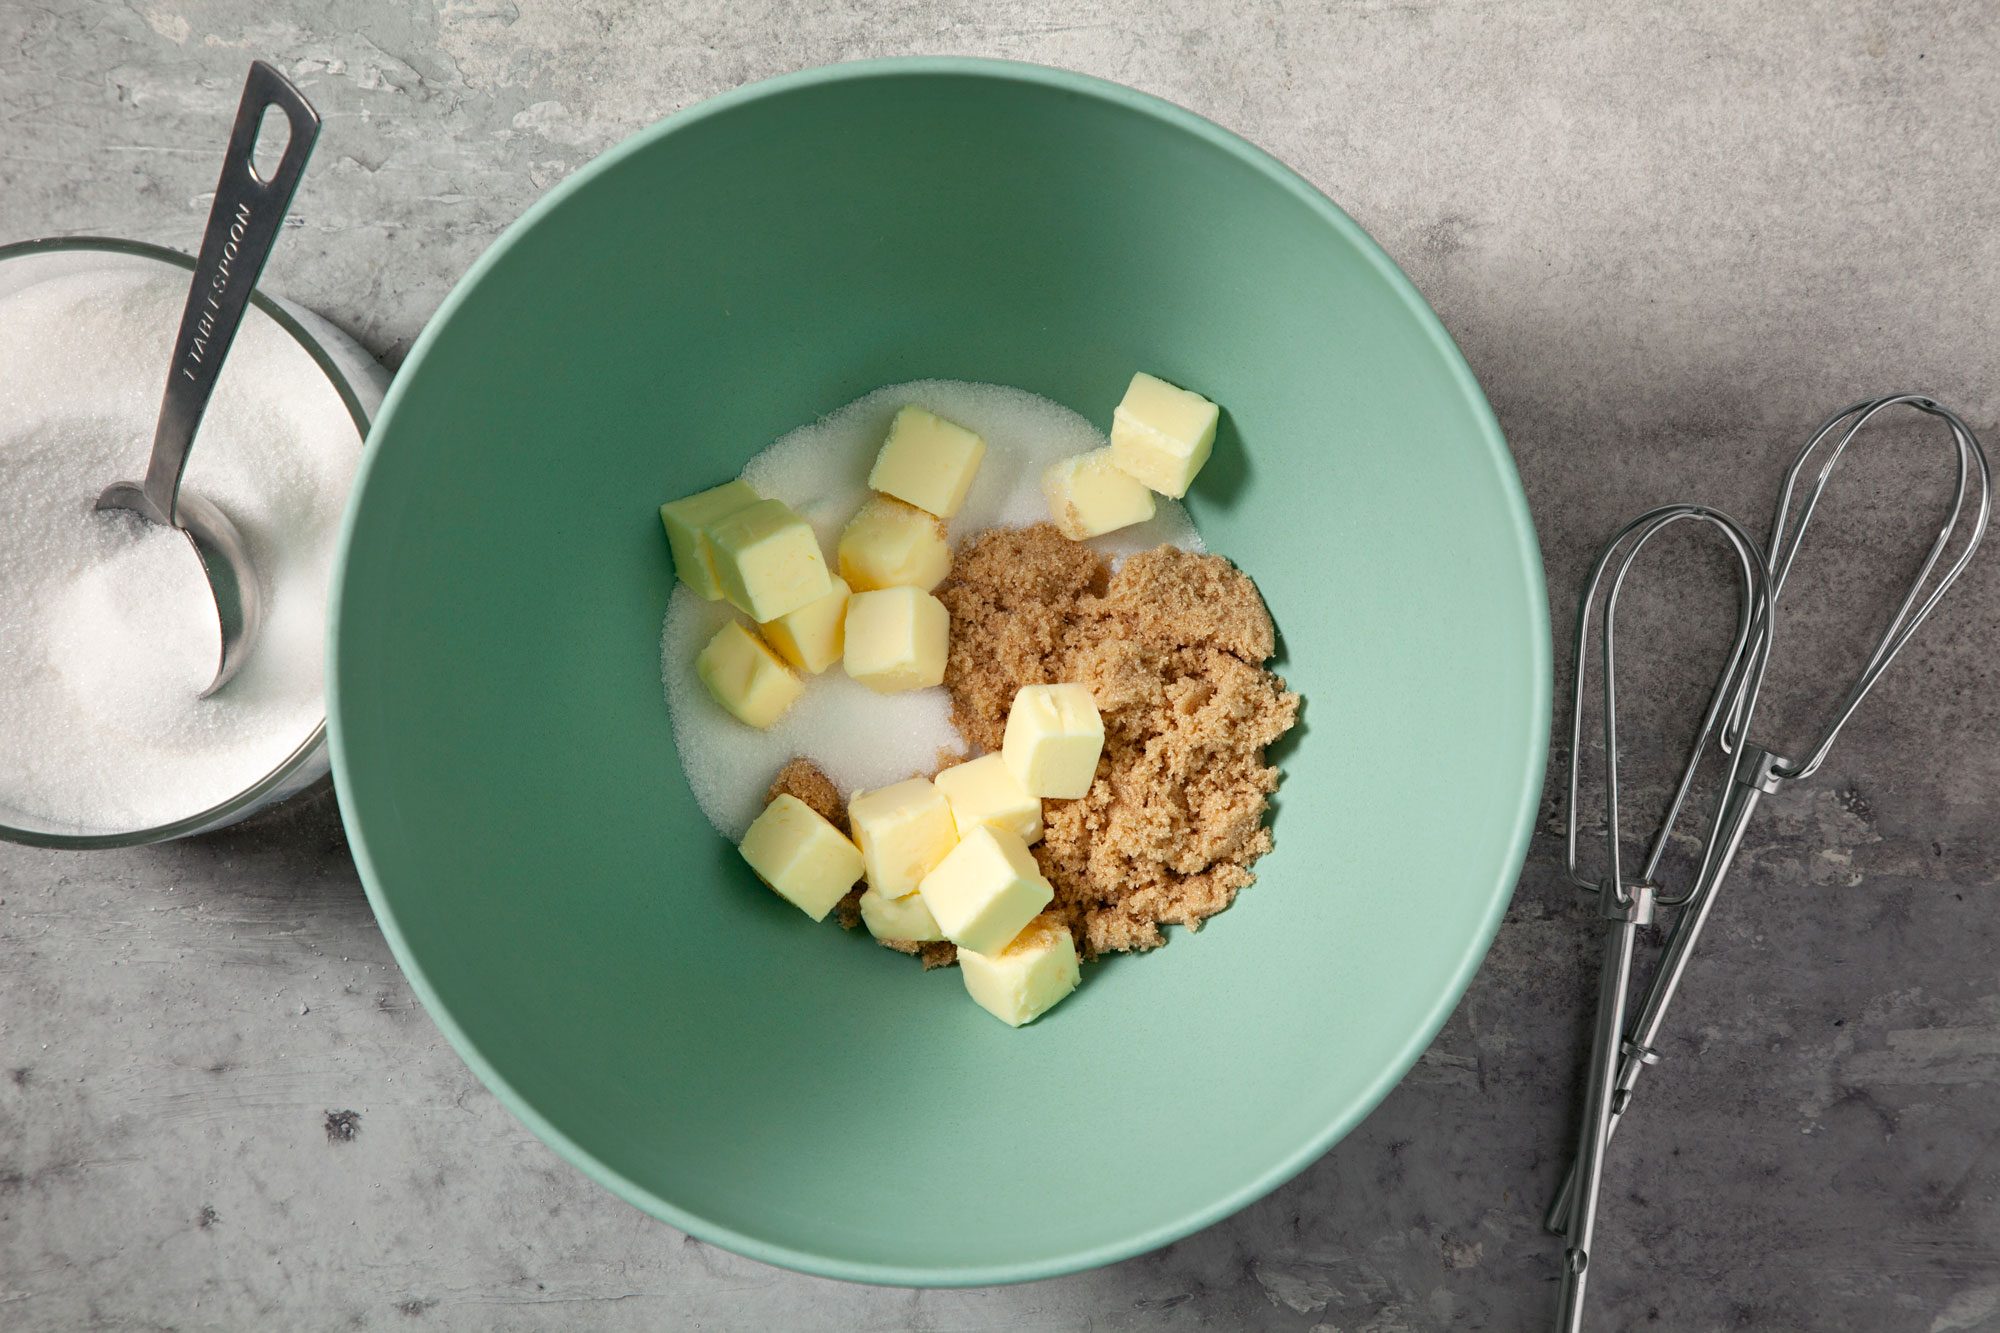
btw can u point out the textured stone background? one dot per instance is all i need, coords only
(1669, 242)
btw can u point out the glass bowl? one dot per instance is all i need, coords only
(355, 376)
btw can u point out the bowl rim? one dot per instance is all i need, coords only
(250, 798)
(1531, 776)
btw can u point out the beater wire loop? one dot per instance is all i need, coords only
(1974, 482)
(1741, 677)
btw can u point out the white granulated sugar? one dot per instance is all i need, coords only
(107, 634)
(860, 738)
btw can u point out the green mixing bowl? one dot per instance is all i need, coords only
(608, 965)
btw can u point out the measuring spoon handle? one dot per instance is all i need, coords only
(242, 227)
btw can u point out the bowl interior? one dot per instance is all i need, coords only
(505, 760)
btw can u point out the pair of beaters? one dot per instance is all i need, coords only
(1621, 1050)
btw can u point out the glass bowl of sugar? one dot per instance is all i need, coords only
(106, 639)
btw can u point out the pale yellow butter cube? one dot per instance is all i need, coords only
(746, 677)
(1053, 738)
(767, 561)
(985, 791)
(904, 918)
(1162, 434)
(888, 544)
(896, 639)
(927, 461)
(807, 860)
(986, 889)
(687, 520)
(903, 830)
(1090, 495)
(811, 637)
(1027, 978)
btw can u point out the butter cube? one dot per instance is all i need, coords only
(1026, 979)
(896, 639)
(1090, 495)
(1162, 435)
(1053, 738)
(811, 637)
(888, 544)
(986, 889)
(808, 861)
(767, 561)
(928, 461)
(687, 520)
(746, 677)
(985, 791)
(903, 918)
(903, 830)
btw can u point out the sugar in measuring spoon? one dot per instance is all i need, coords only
(242, 227)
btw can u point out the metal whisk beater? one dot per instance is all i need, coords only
(1618, 1054)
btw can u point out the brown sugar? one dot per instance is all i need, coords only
(803, 780)
(1172, 646)
(933, 953)
(1015, 597)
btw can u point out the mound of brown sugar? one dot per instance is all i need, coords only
(1172, 647)
(802, 780)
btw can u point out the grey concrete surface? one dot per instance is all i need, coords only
(1669, 237)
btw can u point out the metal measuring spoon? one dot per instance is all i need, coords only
(242, 227)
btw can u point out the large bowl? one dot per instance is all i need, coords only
(353, 374)
(606, 962)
